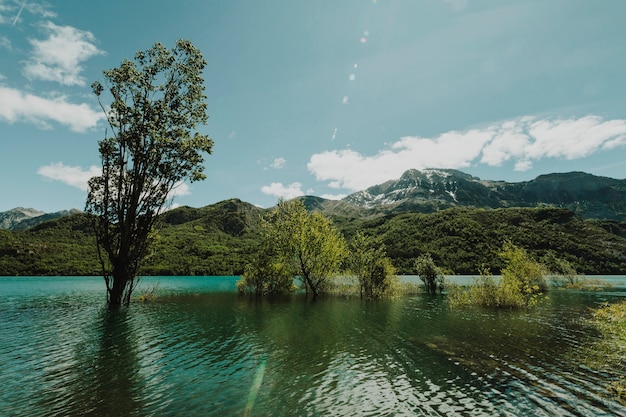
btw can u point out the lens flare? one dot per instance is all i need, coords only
(256, 385)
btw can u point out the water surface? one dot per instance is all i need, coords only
(202, 350)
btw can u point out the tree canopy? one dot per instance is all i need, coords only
(369, 262)
(306, 241)
(157, 101)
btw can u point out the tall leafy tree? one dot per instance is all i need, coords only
(157, 101)
(308, 241)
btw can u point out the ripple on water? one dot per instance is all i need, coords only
(200, 355)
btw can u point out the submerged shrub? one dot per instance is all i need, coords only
(149, 293)
(266, 275)
(368, 261)
(608, 353)
(483, 291)
(522, 284)
(429, 273)
(521, 271)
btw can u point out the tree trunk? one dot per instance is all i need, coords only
(116, 292)
(308, 283)
(121, 278)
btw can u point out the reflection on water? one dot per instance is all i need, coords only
(200, 349)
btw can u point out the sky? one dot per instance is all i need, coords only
(323, 97)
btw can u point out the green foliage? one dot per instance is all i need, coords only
(608, 353)
(484, 291)
(429, 273)
(522, 283)
(157, 101)
(522, 273)
(306, 241)
(266, 274)
(60, 247)
(373, 269)
(460, 239)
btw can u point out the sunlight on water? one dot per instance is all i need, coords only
(202, 350)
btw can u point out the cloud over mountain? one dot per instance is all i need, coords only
(523, 140)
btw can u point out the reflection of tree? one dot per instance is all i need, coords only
(316, 346)
(117, 367)
(110, 381)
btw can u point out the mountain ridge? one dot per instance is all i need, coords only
(21, 218)
(432, 190)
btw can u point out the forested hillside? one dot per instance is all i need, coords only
(461, 239)
(218, 240)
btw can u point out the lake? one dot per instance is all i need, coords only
(200, 349)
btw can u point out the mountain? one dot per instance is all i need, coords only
(34, 221)
(431, 190)
(24, 218)
(9, 219)
(214, 240)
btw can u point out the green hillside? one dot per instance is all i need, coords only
(218, 240)
(461, 239)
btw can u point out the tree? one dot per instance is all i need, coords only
(429, 273)
(522, 283)
(157, 102)
(307, 241)
(369, 262)
(266, 274)
(522, 275)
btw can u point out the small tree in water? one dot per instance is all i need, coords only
(307, 243)
(266, 274)
(429, 273)
(157, 102)
(369, 262)
(522, 283)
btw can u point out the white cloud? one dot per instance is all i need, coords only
(526, 139)
(78, 177)
(277, 189)
(180, 189)
(349, 169)
(334, 196)
(70, 175)
(40, 10)
(59, 57)
(5, 43)
(5, 11)
(16, 105)
(11, 11)
(521, 140)
(278, 163)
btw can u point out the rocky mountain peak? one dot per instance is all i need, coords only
(21, 218)
(10, 218)
(430, 190)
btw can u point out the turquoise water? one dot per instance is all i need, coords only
(201, 349)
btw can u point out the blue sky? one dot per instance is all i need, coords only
(323, 97)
